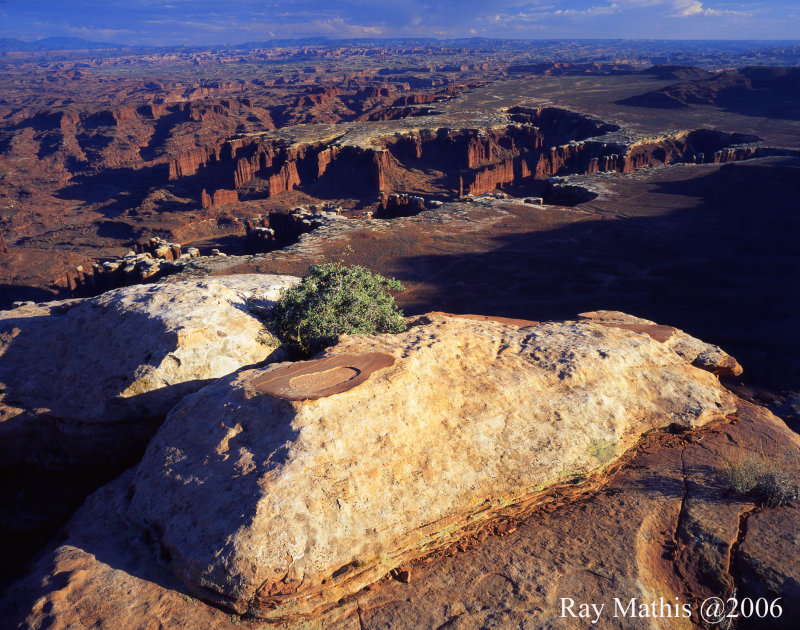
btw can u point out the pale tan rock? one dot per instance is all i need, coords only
(281, 507)
(125, 356)
(701, 354)
(651, 527)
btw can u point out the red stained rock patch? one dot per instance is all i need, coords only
(522, 323)
(318, 378)
(658, 332)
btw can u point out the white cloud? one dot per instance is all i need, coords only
(340, 28)
(681, 8)
(538, 16)
(686, 8)
(608, 9)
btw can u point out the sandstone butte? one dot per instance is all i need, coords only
(90, 378)
(283, 491)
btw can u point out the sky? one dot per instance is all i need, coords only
(171, 22)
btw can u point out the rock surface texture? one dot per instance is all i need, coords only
(285, 505)
(262, 496)
(100, 366)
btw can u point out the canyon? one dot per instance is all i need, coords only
(200, 158)
(615, 235)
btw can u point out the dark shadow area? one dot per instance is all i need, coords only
(66, 430)
(666, 72)
(725, 269)
(771, 92)
(231, 244)
(566, 195)
(92, 145)
(37, 501)
(116, 230)
(10, 293)
(122, 188)
(162, 128)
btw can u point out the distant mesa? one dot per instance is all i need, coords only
(561, 69)
(756, 91)
(537, 143)
(665, 72)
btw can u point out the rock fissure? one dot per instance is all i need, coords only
(679, 526)
(358, 612)
(741, 533)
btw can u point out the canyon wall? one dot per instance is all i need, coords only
(538, 143)
(267, 168)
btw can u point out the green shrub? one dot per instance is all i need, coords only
(331, 300)
(755, 476)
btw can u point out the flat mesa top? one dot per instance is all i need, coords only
(318, 378)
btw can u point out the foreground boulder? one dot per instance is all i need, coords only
(659, 523)
(280, 490)
(77, 376)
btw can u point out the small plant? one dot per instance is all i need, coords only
(755, 476)
(331, 300)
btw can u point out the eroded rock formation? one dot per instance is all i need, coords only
(147, 262)
(283, 228)
(221, 197)
(538, 143)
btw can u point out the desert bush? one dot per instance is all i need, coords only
(755, 476)
(331, 300)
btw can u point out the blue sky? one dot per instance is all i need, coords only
(162, 22)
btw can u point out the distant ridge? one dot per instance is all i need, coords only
(633, 46)
(54, 43)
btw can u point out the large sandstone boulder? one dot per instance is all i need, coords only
(77, 375)
(659, 523)
(280, 490)
(433, 439)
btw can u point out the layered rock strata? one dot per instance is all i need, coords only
(534, 143)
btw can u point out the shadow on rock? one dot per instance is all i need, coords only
(724, 268)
